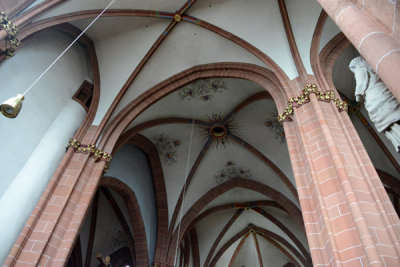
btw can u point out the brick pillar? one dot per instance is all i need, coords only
(348, 216)
(371, 39)
(51, 230)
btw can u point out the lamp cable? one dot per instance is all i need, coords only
(66, 49)
(184, 193)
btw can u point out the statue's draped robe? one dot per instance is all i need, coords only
(383, 108)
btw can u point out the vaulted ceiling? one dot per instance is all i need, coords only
(220, 147)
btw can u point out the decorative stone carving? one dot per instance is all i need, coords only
(92, 150)
(383, 108)
(304, 98)
(11, 40)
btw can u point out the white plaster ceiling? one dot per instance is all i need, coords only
(250, 217)
(114, 27)
(265, 33)
(251, 128)
(226, 257)
(303, 21)
(247, 256)
(271, 252)
(239, 195)
(70, 6)
(221, 103)
(251, 121)
(122, 42)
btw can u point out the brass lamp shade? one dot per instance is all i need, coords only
(11, 107)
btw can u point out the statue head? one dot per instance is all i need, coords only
(360, 68)
(357, 63)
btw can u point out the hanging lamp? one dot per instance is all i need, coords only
(12, 106)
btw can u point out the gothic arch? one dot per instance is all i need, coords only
(66, 18)
(135, 216)
(114, 132)
(194, 210)
(262, 76)
(150, 150)
(276, 240)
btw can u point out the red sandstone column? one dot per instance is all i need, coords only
(371, 39)
(348, 216)
(49, 234)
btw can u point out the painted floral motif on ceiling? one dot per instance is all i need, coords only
(275, 126)
(231, 170)
(166, 147)
(203, 89)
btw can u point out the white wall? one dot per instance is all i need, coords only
(33, 144)
(130, 165)
(20, 136)
(17, 203)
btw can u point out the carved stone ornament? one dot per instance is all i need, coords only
(383, 108)
(92, 150)
(296, 102)
(12, 30)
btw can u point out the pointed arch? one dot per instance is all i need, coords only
(135, 217)
(260, 75)
(157, 174)
(191, 214)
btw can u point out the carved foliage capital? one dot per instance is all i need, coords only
(12, 30)
(296, 102)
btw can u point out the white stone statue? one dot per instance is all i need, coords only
(383, 108)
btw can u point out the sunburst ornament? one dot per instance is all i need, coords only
(219, 129)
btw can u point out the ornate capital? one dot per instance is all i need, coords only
(296, 102)
(12, 30)
(92, 150)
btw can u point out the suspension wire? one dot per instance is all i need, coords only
(73, 42)
(184, 193)
(255, 249)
